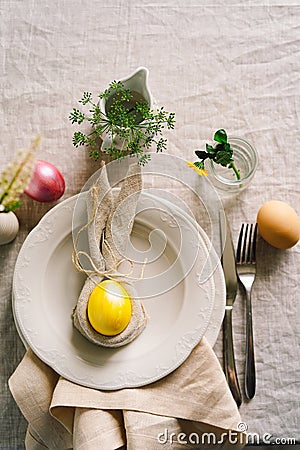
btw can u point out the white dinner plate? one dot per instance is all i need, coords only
(215, 270)
(46, 287)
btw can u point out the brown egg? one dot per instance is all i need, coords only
(278, 224)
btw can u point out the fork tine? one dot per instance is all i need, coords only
(253, 254)
(244, 251)
(246, 248)
(248, 242)
(239, 246)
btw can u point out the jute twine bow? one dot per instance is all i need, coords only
(111, 273)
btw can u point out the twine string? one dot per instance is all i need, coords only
(111, 273)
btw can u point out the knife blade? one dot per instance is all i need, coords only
(229, 269)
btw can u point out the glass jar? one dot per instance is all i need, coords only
(245, 159)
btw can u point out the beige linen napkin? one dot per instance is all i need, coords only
(189, 408)
(110, 223)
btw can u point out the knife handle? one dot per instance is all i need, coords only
(250, 379)
(229, 361)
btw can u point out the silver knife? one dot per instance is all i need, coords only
(228, 264)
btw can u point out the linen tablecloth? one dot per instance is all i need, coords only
(232, 65)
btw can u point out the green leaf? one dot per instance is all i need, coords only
(126, 95)
(105, 94)
(86, 98)
(144, 159)
(202, 154)
(116, 85)
(199, 164)
(223, 148)
(221, 136)
(223, 158)
(13, 206)
(79, 138)
(95, 154)
(171, 121)
(161, 145)
(76, 116)
(210, 149)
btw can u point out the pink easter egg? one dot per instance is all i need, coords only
(46, 184)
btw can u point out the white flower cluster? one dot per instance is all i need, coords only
(16, 176)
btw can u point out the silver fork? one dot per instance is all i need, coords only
(246, 270)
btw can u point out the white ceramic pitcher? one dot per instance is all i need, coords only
(138, 83)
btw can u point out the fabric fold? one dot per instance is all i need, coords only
(193, 400)
(32, 385)
(110, 224)
(96, 429)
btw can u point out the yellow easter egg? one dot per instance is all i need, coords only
(109, 308)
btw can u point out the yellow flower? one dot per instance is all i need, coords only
(202, 172)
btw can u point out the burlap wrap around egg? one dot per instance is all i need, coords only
(110, 224)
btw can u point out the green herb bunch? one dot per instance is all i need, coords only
(221, 153)
(137, 126)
